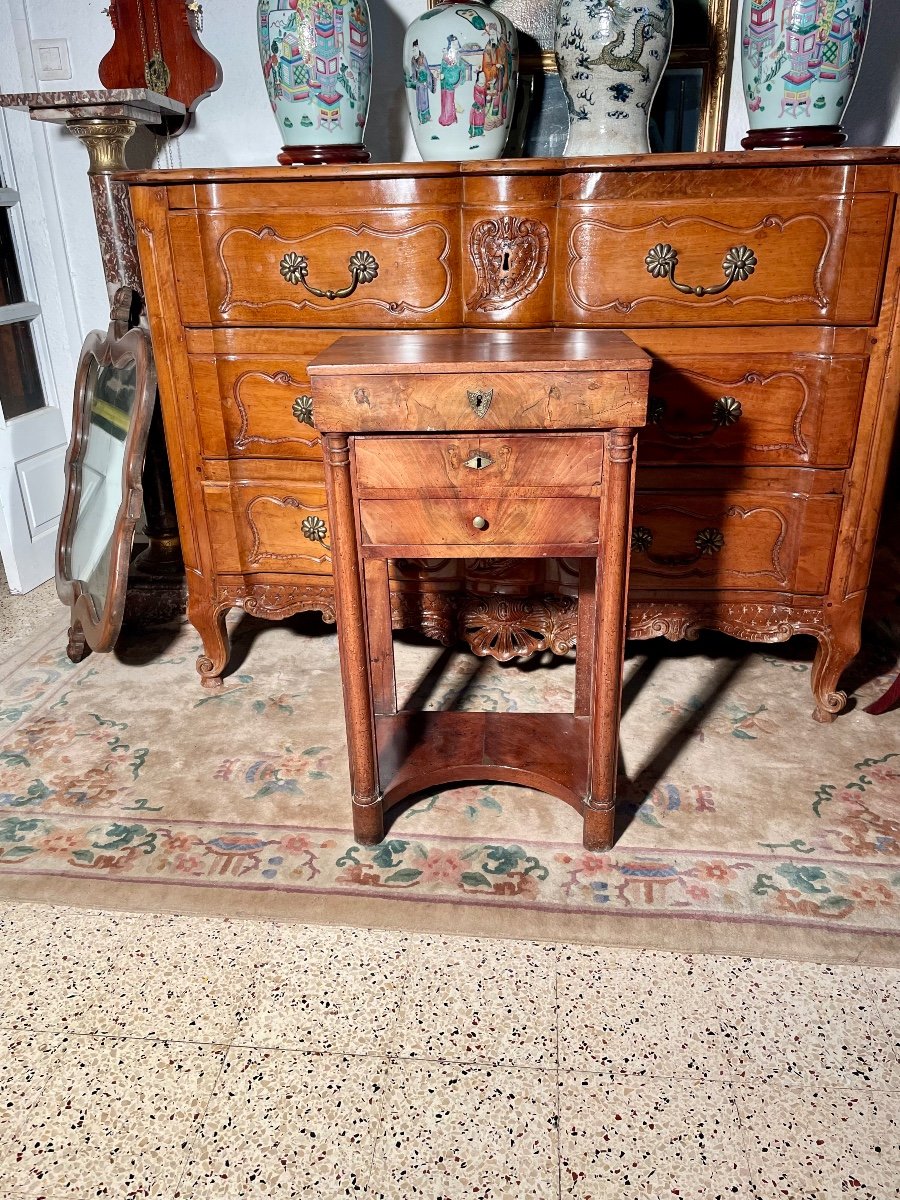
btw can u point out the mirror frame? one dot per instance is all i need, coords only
(118, 347)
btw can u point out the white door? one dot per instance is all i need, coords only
(32, 430)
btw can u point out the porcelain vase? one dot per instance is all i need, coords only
(317, 62)
(799, 60)
(611, 56)
(461, 67)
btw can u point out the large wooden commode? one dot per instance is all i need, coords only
(764, 285)
(480, 446)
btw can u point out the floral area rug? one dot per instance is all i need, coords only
(745, 826)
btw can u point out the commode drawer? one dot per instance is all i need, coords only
(481, 524)
(274, 526)
(737, 261)
(733, 538)
(479, 463)
(765, 409)
(389, 267)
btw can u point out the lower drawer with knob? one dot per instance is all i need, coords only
(734, 538)
(273, 526)
(482, 526)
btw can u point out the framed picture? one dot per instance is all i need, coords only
(690, 108)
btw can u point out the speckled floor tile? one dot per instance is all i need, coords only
(182, 978)
(57, 964)
(337, 990)
(638, 1012)
(112, 1120)
(480, 1001)
(25, 1064)
(449, 1132)
(286, 1125)
(623, 1137)
(815, 1143)
(803, 1021)
(884, 987)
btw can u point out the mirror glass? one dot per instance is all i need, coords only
(110, 402)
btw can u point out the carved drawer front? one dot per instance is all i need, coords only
(482, 523)
(476, 464)
(740, 539)
(257, 405)
(521, 400)
(390, 267)
(269, 527)
(733, 262)
(765, 409)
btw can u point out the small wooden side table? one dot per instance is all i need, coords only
(480, 445)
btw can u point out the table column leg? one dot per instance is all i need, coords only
(368, 809)
(609, 641)
(381, 641)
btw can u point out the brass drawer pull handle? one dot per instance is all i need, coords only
(726, 411)
(708, 541)
(302, 408)
(362, 267)
(314, 529)
(480, 400)
(479, 523)
(739, 263)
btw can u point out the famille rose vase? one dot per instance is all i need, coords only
(799, 60)
(317, 62)
(611, 56)
(461, 66)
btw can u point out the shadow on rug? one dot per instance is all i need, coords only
(745, 826)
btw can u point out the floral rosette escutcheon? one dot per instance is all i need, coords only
(800, 60)
(317, 62)
(461, 66)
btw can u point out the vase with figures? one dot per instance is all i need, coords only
(611, 55)
(461, 66)
(799, 60)
(317, 63)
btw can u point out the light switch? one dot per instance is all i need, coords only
(51, 58)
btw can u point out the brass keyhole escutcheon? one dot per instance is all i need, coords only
(479, 522)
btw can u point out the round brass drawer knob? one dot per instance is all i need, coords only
(479, 522)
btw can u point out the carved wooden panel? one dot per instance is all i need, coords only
(269, 527)
(754, 408)
(255, 407)
(737, 539)
(505, 266)
(723, 261)
(288, 268)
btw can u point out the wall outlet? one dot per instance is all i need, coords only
(51, 58)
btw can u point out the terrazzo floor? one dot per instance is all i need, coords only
(175, 1057)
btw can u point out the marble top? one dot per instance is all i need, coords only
(131, 104)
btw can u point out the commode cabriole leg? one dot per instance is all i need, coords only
(368, 807)
(609, 643)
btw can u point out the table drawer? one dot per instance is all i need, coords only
(733, 539)
(726, 261)
(511, 522)
(477, 464)
(269, 527)
(766, 409)
(481, 401)
(388, 267)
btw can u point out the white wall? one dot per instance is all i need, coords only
(234, 127)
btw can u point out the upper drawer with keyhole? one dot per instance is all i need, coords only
(480, 464)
